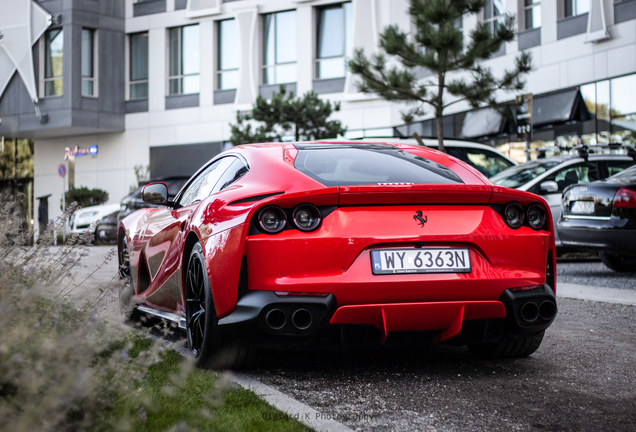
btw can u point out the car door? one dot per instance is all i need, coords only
(166, 237)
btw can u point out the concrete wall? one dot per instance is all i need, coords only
(557, 64)
(71, 113)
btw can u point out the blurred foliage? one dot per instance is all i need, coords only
(85, 197)
(305, 118)
(16, 158)
(63, 367)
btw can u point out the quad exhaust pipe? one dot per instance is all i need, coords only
(301, 319)
(547, 310)
(530, 311)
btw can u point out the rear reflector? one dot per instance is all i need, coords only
(525, 288)
(625, 198)
(306, 294)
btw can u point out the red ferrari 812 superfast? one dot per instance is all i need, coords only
(306, 245)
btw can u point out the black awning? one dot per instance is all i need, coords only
(482, 122)
(559, 107)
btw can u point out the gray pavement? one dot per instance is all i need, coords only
(582, 378)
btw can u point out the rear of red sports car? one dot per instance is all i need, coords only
(365, 244)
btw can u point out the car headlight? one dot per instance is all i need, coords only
(536, 216)
(272, 219)
(513, 215)
(306, 217)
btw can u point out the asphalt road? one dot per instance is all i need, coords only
(582, 378)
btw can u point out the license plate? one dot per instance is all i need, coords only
(429, 260)
(583, 207)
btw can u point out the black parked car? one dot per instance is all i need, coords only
(601, 216)
(133, 202)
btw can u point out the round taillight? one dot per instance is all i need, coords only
(306, 217)
(536, 216)
(513, 214)
(272, 219)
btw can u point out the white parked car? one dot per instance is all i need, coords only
(100, 220)
(486, 159)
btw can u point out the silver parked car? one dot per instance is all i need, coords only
(550, 176)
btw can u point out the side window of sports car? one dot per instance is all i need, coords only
(203, 185)
(232, 174)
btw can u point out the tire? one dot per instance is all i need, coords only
(207, 347)
(619, 263)
(520, 347)
(126, 291)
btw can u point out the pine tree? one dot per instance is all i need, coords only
(438, 45)
(304, 117)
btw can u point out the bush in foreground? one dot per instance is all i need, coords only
(63, 368)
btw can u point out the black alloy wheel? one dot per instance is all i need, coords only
(126, 290)
(205, 342)
(124, 259)
(619, 263)
(197, 306)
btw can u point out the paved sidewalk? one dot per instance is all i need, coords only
(596, 293)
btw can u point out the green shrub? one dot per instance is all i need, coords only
(85, 197)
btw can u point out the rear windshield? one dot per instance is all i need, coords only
(349, 166)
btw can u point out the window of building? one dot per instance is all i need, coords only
(89, 87)
(494, 13)
(576, 7)
(279, 48)
(334, 40)
(228, 60)
(184, 60)
(532, 14)
(138, 74)
(53, 62)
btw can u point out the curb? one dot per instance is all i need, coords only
(291, 407)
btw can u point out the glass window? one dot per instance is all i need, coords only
(334, 40)
(232, 174)
(582, 173)
(519, 175)
(53, 62)
(532, 13)
(576, 7)
(139, 65)
(623, 109)
(228, 61)
(184, 61)
(347, 166)
(88, 62)
(494, 13)
(615, 167)
(279, 48)
(487, 162)
(203, 184)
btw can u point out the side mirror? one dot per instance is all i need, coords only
(155, 193)
(549, 187)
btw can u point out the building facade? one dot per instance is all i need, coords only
(125, 84)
